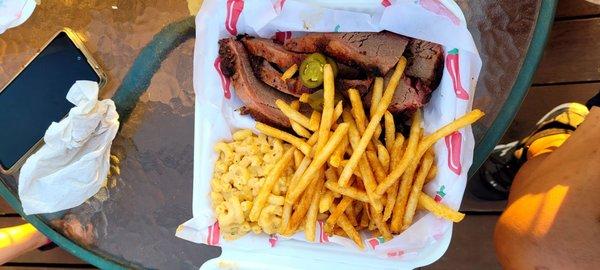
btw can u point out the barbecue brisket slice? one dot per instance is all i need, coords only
(273, 52)
(425, 62)
(259, 98)
(293, 86)
(272, 77)
(376, 53)
(411, 94)
(362, 85)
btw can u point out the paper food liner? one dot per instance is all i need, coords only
(216, 117)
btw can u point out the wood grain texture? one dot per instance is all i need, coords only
(542, 99)
(572, 53)
(576, 8)
(5, 208)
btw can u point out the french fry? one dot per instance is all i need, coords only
(339, 232)
(431, 174)
(289, 72)
(337, 212)
(390, 201)
(375, 119)
(331, 175)
(395, 156)
(337, 111)
(407, 176)
(315, 119)
(358, 206)
(284, 136)
(267, 187)
(351, 215)
(292, 114)
(302, 207)
(313, 210)
(328, 107)
(350, 231)
(370, 183)
(378, 169)
(299, 129)
(402, 197)
(376, 94)
(411, 147)
(381, 226)
(287, 207)
(384, 158)
(325, 201)
(390, 130)
(304, 97)
(396, 151)
(364, 217)
(446, 130)
(358, 111)
(363, 167)
(298, 156)
(427, 142)
(351, 192)
(320, 158)
(338, 154)
(439, 209)
(413, 198)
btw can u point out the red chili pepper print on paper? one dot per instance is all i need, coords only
(374, 242)
(438, 8)
(453, 145)
(452, 62)
(273, 240)
(279, 5)
(439, 195)
(281, 37)
(234, 9)
(214, 234)
(225, 83)
(323, 238)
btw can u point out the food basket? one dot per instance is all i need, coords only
(217, 117)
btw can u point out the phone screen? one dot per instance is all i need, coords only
(37, 97)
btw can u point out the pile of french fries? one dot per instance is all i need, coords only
(346, 176)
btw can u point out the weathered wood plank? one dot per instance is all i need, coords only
(572, 53)
(53, 256)
(471, 247)
(542, 99)
(5, 208)
(574, 8)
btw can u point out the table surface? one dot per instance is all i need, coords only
(135, 218)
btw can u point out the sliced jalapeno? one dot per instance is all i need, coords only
(311, 70)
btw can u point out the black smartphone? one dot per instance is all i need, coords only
(36, 96)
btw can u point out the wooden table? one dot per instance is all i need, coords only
(135, 224)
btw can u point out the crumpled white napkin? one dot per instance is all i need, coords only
(74, 161)
(15, 12)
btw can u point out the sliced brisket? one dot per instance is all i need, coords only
(271, 76)
(363, 86)
(425, 62)
(273, 52)
(259, 98)
(410, 95)
(376, 53)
